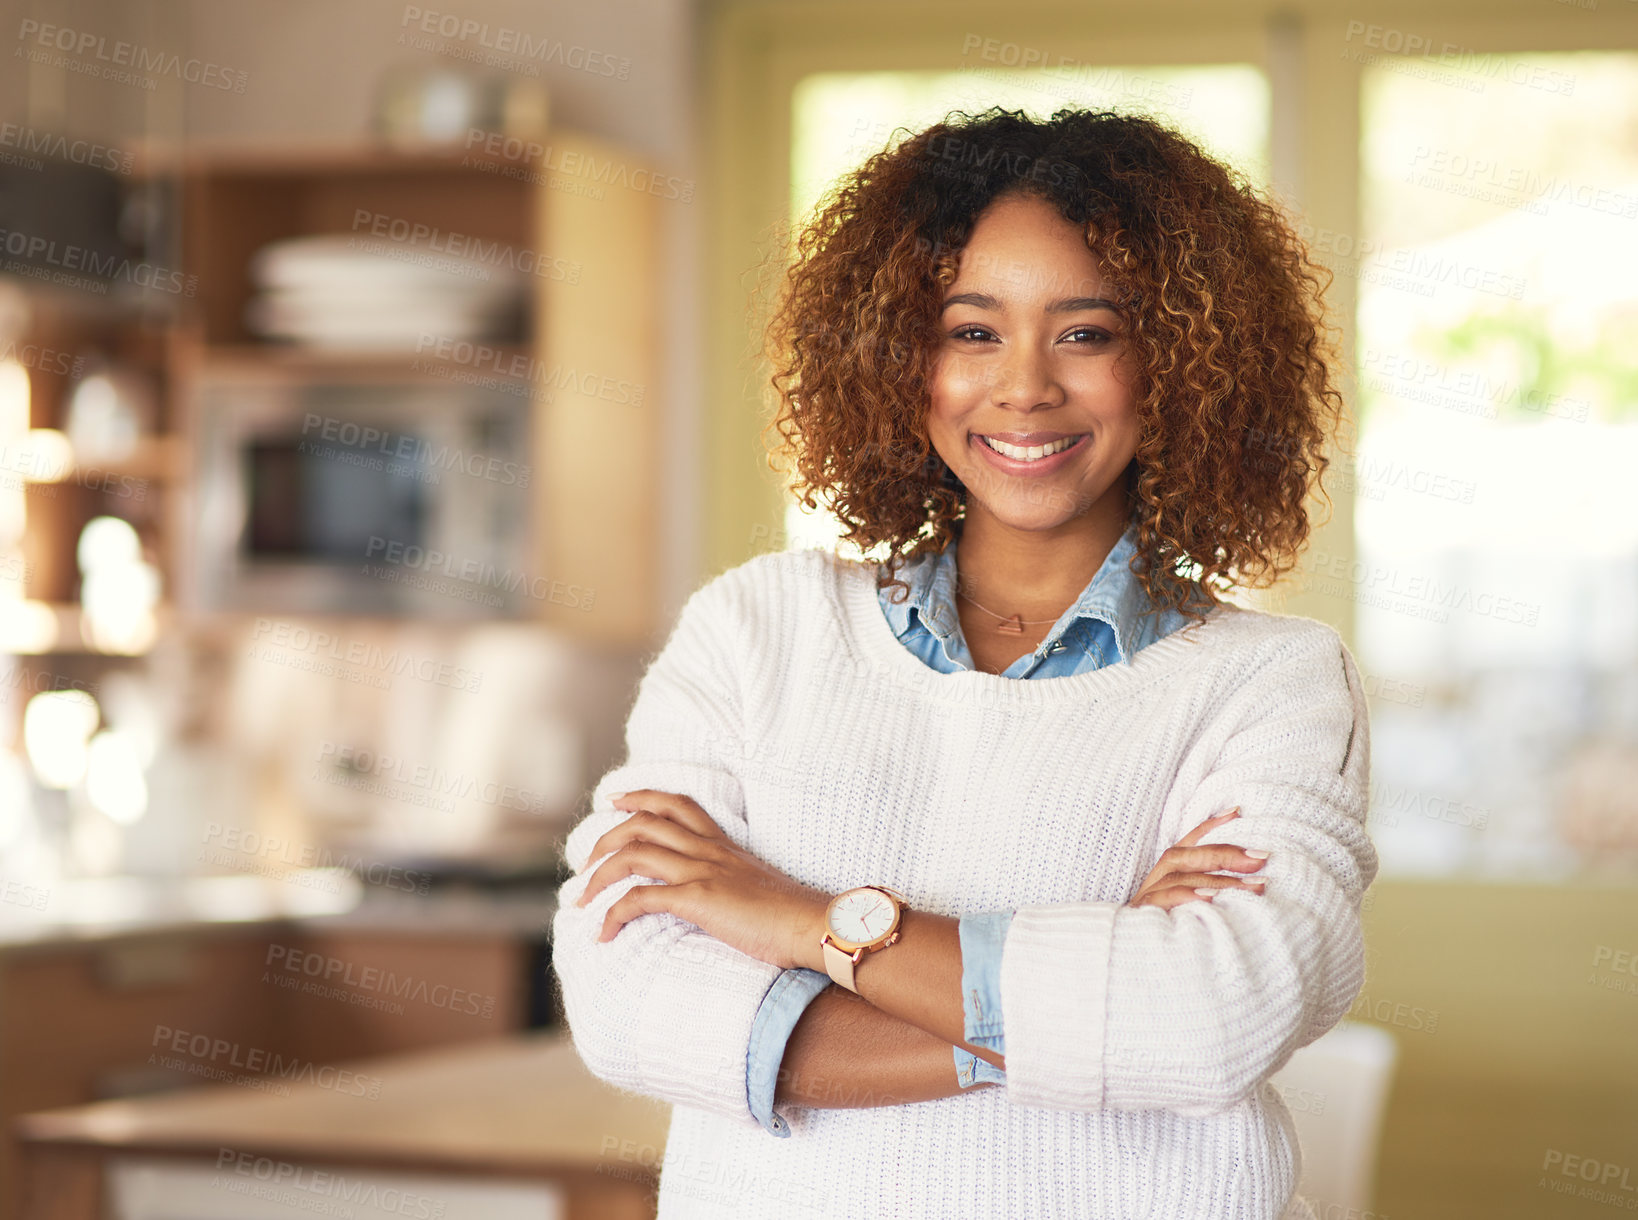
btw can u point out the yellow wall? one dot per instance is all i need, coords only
(1517, 1039)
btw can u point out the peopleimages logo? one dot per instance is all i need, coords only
(231, 845)
(320, 974)
(323, 1192)
(559, 167)
(20, 894)
(76, 45)
(418, 237)
(1474, 69)
(1334, 572)
(284, 643)
(414, 451)
(61, 148)
(218, 1058)
(67, 256)
(1603, 1181)
(507, 42)
(433, 781)
(477, 574)
(511, 367)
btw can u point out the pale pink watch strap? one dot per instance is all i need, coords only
(839, 965)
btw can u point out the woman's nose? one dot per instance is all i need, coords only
(1025, 380)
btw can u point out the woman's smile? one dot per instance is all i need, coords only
(1031, 454)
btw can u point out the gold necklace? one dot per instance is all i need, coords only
(1009, 626)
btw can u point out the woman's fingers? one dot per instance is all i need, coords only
(1194, 836)
(1192, 872)
(1196, 887)
(1212, 881)
(681, 809)
(1211, 857)
(666, 819)
(646, 825)
(644, 859)
(1201, 860)
(1166, 897)
(1169, 896)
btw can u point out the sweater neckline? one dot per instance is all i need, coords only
(871, 636)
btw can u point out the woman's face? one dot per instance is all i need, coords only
(1032, 407)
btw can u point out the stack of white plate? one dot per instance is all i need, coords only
(357, 293)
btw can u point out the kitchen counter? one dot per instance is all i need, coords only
(112, 908)
(100, 979)
(519, 1109)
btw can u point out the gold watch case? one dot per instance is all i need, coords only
(857, 948)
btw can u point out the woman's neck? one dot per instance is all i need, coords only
(1035, 574)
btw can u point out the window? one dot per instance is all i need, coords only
(1496, 573)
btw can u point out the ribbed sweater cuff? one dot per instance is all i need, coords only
(1054, 985)
(694, 1032)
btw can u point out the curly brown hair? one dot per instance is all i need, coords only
(1226, 330)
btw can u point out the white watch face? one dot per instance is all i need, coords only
(861, 916)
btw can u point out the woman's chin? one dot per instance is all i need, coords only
(1036, 517)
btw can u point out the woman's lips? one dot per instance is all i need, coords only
(1040, 465)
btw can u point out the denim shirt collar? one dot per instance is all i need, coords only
(1113, 596)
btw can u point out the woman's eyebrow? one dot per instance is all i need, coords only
(984, 300)
(1077, 304)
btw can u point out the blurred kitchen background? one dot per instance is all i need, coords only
(376, 380)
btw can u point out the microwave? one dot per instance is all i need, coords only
(405, 500)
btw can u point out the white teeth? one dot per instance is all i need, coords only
(1031, 453)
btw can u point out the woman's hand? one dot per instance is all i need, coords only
(1182, 874)
(710, 881)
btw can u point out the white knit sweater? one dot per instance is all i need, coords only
(1139, 1042)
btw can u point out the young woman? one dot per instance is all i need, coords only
(1011, 864)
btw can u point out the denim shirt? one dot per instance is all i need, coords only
(1105, 624)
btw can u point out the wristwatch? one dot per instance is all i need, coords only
(859, 921)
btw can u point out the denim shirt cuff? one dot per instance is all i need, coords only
(971, 1070)
(982, 938)
(776, 1017)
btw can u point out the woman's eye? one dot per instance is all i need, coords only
(1087, 335)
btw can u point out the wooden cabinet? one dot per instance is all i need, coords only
(582, 356)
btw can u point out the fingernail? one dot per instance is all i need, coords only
(1253, 881)
(1255, 855)
(614, 796)
(1206, 891)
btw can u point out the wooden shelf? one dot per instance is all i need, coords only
(239, 203)
(346, 157)
(155, 459)
(490, 359)
(71, 640)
